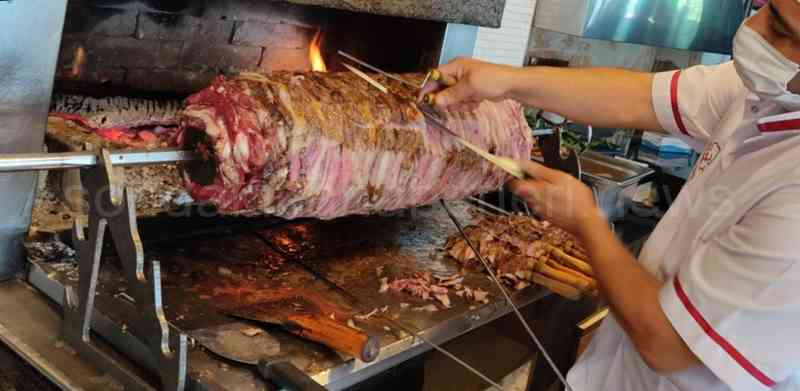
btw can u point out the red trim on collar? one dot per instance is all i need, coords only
(676, 112)
(779, 126)
(720, 340)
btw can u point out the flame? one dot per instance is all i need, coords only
(315, 54)
(77, 63)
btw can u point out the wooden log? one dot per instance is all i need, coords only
(334, 335)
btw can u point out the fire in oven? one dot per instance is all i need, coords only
(239, 193)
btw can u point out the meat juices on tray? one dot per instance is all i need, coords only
(326, 145)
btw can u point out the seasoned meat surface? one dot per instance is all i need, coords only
(326, 145)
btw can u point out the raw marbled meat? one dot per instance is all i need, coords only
(326, 145)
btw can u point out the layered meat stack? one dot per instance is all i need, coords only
(523, 250)
(326, 145)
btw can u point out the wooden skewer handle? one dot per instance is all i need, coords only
(556, 287)
(335, 335)
(582, 266)
(578, 275)
(566, 278)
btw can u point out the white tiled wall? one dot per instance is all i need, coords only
(509, 43)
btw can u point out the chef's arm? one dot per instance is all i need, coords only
(603, 97)
(631, 292)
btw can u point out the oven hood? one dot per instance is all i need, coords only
(699, 25)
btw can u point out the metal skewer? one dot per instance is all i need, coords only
(382, 72)
(507, 297)
(13, 162)
(489, 206)
(445, 352)
(367, 78)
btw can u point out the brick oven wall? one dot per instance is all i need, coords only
(131, 47)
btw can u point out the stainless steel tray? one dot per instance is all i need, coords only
(604, 170)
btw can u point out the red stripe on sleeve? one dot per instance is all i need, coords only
(779, 126)
(676, 112)
(721, 341)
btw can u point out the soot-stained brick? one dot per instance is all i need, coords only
(266, 12)
(174, 27)
(278, 59)
(83, 19)
(123, 51)
(272, 35)
(182, 81)
(219, 57)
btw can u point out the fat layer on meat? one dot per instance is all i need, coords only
(326, 145)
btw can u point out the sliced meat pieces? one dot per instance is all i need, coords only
(520, 248)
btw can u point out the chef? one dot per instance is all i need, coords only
(713, 302)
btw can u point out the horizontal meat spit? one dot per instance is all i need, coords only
(53, 161)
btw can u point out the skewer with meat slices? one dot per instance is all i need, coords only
(525, 249)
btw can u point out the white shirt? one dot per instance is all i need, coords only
(727, 251)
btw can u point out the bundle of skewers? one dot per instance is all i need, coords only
(523, 250)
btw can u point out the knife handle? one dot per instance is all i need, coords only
(436, 75)
(285, 375)
(335, 335)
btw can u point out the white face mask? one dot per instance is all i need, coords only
(764, 70)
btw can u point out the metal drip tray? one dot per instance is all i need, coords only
(602, 169)
(614, 181)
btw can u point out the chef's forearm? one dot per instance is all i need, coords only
(632, 294)
(618, 276)
(597, 96)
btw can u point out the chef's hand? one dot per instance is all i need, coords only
(558, 197)
(472, 81)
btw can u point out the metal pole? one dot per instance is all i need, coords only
(16, 162)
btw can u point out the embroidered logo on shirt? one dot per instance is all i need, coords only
(708, 157)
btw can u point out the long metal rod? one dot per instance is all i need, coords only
(443, 351)
(382, 72)
(15, 162)
(489, 206)
(507, 297)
